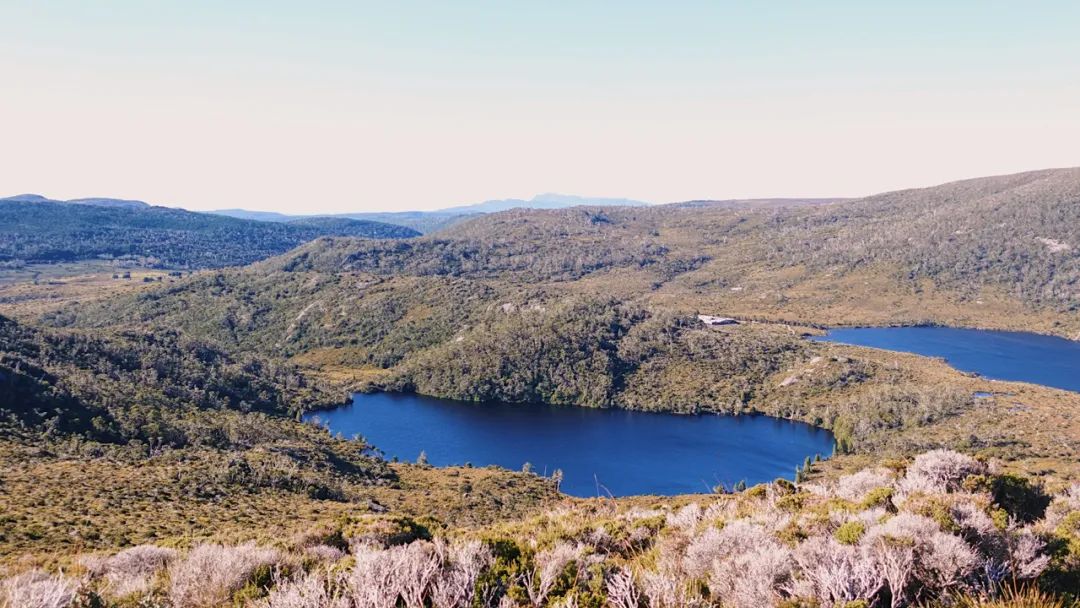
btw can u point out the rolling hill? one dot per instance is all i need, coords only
(995, 252)
(38, 230)
(596, 305)
(117, 203)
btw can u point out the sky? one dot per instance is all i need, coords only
(319, 106)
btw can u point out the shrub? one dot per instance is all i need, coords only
(880, 497)
(622, 592)
(210, 574)
(751, 577)
(371, 583)
(36, 589)
(1022, 499)
(132, 570)
(415, 573)
(940, 471)
(783, 486)
(685, 518)
(758, 491)
(324, 553)
(463, 564)
(1026, 556)
(858, 486)
(548, 566)
(832, 574)
(850, 532)
(792, 502)
(307, 591)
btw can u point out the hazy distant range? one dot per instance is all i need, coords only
(429, 221)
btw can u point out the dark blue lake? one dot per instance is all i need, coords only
(1001, 355)
(599, 451)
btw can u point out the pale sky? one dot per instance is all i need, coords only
(308, 107)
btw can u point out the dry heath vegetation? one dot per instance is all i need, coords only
(153, 457)
(943, 529)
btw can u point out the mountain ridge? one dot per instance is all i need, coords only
(33, 230)
(437, 219)
(93, 201)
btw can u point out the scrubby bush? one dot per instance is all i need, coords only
(306, 591)
(731, 551)
(36, 589)
(940, 471)
(850, 532)
(210, 574)
(858, 486)
(131, 571)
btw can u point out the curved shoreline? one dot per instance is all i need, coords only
(1001, 355)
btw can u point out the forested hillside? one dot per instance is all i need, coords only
(941, 254)
(47, 231)
(153, 388)
(1014, 238)
(1016, 233)
(596, 306)
(118, 438)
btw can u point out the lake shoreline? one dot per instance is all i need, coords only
(998, 355)
(627, 452)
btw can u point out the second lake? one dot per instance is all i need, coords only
(999, 355)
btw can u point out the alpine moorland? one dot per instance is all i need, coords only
(155, 453)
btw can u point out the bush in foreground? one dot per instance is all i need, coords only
(926, 537)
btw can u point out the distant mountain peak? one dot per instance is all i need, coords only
(116, 203)
(547, 200)
(109, 202)
(571, 200)
(26, 198)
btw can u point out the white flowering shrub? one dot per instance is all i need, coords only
(36, 589)
(939, 471)
(209, 574)
(827, 546)
(462, 566)
(856, 486)
(131, 571)
(832, 573)
(622, 591)
(549, 564)
(306, 591)
(324, 553)
(752, 576)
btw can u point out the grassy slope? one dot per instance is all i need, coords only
(950, 521)
(114, 439)
(966, 253)
(55, 506)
